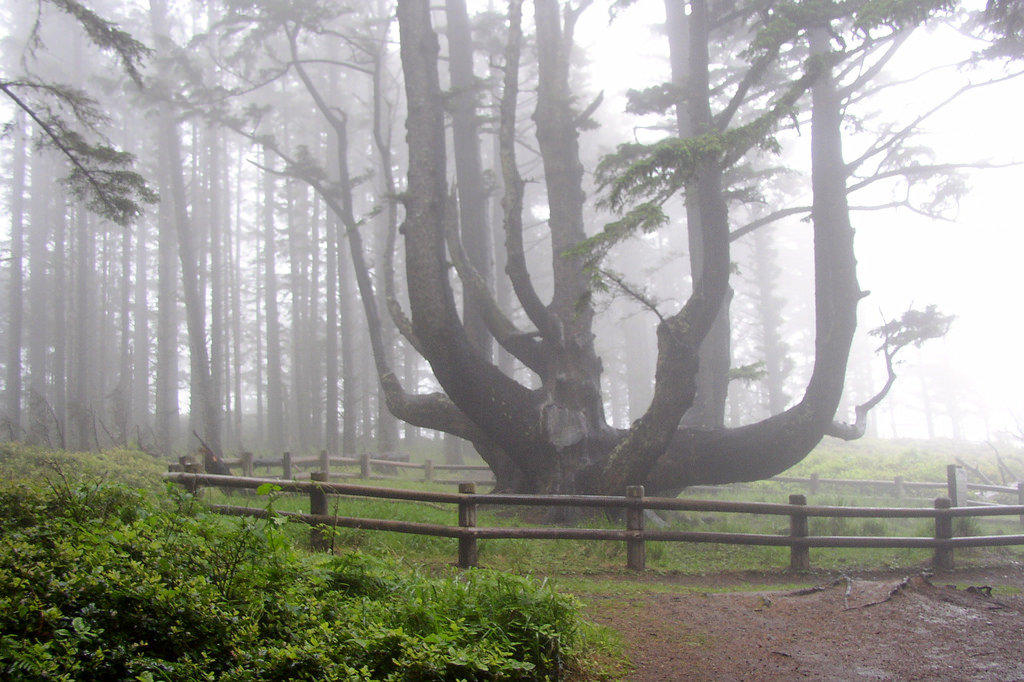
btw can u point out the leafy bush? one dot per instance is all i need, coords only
(131, 467)
(103, 582)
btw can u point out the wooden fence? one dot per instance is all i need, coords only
(387, 466)
(381, 467)
(633, 503)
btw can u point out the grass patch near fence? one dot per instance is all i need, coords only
(871, 460)
(571, 558)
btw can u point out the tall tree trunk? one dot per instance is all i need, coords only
(764, 449)
(386, 227)
(122, 404)
(204, 408)
(83, 360)
(349, 331)
(236, 308)
(332, 377)
(140, 352)
(62, 291)
(167, 402)
(687, 43)
(317, 350)
(638, 342)
(387, 424)
(167, 407)
(217, 228)
(473, 219)
(298, 260)
(42, 219)
(15, 293)
(275, 384)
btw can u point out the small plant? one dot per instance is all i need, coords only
(874, 528)
(965, 526)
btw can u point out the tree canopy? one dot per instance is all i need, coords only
(72, 121)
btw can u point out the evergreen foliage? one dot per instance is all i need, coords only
(104, 582)
(70, 121)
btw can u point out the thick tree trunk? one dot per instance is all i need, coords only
(167, 405)
(556, 437)
(769, 447)
(688, 44)
(121, 396)
(473, 220)
(485, 395)
(680, 336)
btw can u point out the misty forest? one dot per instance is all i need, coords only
(593, 243)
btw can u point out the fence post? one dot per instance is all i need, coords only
(1020, 499)
(428, 470)
(943, 531)
(364, 466)
(898, 485)
(799, 555)
(317, 507)
(247, 464)
(467, 519)
(286, 466)
(814, 486)
(325, 462)
(636, 549)
(192, 467)
(956, 485)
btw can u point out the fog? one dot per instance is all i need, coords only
(968, 263)
(102, 329)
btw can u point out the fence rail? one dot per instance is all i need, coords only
(634, 503)
(382, 467)
(385, 467)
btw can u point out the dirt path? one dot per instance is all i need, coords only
(949, 626)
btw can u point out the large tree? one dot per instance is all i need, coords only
(556, 437)
(541, 425)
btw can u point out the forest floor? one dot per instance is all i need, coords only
(957, 625)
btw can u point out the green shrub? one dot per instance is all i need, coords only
(130, 467)
(102, 582)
